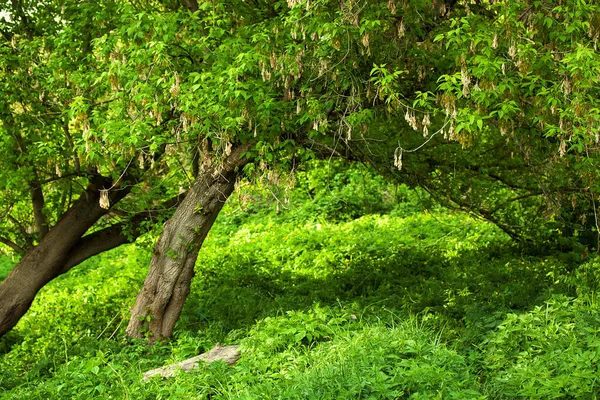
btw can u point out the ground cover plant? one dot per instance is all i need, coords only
(331, 297)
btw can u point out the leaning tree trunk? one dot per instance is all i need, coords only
(161, 299)
(51, 257)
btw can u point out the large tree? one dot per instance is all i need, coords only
(78, 174)
(114, 108)
(120, 95)
(277, 82)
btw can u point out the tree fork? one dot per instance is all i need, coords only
(115, 235)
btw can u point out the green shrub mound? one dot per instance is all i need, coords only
(549, 352)
(328, 354)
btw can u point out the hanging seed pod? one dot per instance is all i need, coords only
(398, 158)
(104, 201)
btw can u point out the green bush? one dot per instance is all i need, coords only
(551, 351)
(330, 354)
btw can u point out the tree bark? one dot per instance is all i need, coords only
(46, 261)
(160, 301)
(37, 200)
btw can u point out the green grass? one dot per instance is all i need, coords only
(412, 303)
(6, 264)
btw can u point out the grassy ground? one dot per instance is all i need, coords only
(345, 295)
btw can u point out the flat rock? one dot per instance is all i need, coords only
(229, 354)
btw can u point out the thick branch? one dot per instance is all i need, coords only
(115, 235)
(191, 5)
(96, 243)
(37, 201)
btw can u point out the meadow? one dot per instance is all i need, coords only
(346, 287)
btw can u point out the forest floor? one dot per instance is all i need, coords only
(342, 295)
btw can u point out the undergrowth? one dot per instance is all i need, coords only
(351, 288)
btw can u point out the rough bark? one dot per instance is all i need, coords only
(159, 303)
(46, 261)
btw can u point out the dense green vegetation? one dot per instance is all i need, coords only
(119, 115)
(457, 258)
(350, 288)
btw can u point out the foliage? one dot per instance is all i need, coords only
(352, 359)
(322, 190)
(486, 107)
(419, 304)
(520, 79)
(158, 90)
(548, 352)
(6, 264)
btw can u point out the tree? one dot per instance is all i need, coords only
(204, 81)
(526, 72)
(475, 102)
(59, 185)
(257, 85)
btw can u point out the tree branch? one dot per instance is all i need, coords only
(96, 243)
(76, 162)
(12, 245)
(191, 5)
(56, 177)
(37, 201)
(116, 235)
(21, 229)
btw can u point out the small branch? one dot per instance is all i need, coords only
(323, 151)
(101, 103)
(6, 36)
(111, 321)
(425, 142)
(12, 245)
(517, 198)
(56, 177)
(525, 13)
(22, 230)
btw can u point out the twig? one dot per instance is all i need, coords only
(424, 143)
(116, 329)
(106, 327)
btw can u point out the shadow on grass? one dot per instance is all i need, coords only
(473, 285)
(233, 291)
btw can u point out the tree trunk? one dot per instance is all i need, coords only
(159, 303)
(47, 260)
